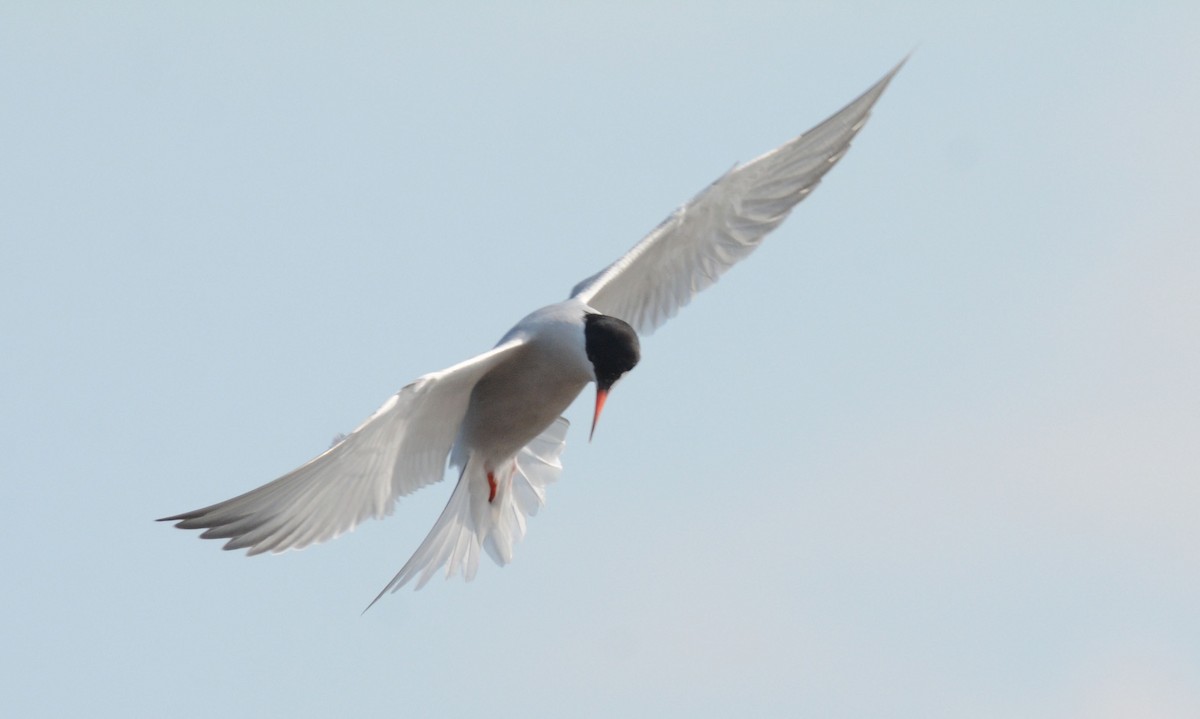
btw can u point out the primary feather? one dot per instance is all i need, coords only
(397, 450)
(723, 224)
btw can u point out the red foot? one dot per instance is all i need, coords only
(491, 487)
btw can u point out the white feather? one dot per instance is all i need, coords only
(471, 522)
(723, 224)
(400, 448)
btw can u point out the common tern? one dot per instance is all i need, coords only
(497, 417)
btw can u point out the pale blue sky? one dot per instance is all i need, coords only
(931, 452)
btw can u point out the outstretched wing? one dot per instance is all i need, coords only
(399, 449)
(722, 224)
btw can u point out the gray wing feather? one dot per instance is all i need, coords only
(402, 447)
(723, 224)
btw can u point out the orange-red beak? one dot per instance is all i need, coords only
(601, 396)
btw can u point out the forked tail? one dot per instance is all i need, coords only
(482, 517)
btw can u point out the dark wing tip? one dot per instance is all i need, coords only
(177, 517)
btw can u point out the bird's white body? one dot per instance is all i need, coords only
(531, 386)
(496, 417)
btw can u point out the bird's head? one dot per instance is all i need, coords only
(613, 349)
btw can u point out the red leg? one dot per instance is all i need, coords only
(491, 487)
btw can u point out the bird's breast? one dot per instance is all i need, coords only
(517, 400)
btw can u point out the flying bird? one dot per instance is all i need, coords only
(496, 417)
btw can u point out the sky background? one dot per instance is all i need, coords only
(932, 451)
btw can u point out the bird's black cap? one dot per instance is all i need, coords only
(612, 347)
